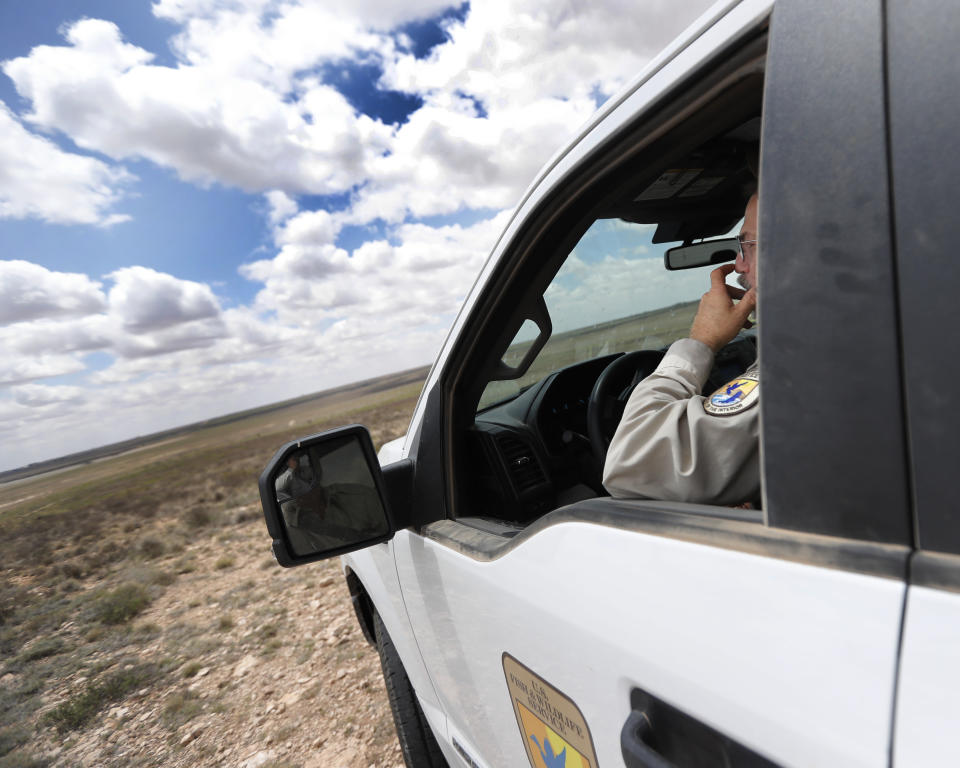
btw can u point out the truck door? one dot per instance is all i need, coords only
(924, 113)
(606, 630)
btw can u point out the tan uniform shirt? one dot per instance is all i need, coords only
(668, 446)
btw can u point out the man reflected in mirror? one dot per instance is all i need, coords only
(296, 479)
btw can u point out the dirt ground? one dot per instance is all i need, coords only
(163, 633)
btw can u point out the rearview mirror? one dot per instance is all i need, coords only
(322, 496)
(701, 254)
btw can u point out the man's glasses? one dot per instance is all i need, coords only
(746, 246)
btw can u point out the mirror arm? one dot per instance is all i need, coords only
(398, 489)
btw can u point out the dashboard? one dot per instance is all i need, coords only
(529, 450)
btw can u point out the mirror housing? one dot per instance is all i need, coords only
(325, 495)
(701, 254)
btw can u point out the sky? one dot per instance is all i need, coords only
(211, 205)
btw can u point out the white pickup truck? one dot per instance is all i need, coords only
(523, 616)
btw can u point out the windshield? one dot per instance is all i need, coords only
(612, 294)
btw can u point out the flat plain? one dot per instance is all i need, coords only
(143, 620)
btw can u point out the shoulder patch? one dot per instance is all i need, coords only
(735, 396)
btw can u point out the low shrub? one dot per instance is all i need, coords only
(79, 709)
(152, 547)
(224, 561)
(163, 578)
(121, 604)
(147, 629)
(23, 760)
(180, 707)
(197, 517)
(245, 515)
(272, 646)
(12, 737)
(71, 569)
(192, 668)
(41, 648)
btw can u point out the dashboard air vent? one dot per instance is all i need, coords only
(521, 462)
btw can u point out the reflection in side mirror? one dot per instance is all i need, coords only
(322, 497)
(701, 254)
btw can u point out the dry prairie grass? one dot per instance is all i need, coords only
(142, 623)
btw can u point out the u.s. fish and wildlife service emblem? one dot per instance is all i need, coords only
(554, 731)
(735, 396)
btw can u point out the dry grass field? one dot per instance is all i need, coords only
(144, 622)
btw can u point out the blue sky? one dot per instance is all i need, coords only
(214, 204)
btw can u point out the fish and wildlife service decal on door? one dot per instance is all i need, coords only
(554, 731)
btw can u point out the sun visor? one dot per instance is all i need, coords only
(684, 223)
(686, 231)
(701, 196)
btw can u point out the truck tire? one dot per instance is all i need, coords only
(417, 742)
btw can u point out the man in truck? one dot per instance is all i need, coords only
(673, 442)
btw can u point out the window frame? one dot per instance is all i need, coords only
(726, 82)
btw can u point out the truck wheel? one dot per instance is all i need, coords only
(420, 748)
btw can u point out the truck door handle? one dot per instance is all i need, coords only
(637, 753)
(658, 735)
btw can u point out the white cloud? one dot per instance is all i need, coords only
(192, 335)
(20, 369)
(444, 161)
(146, 300)
(57, 336)
(29, 291)
(423, 274)
(207, 124)
(53, 319)
(536, 68)
(309, 228)
(40, 181)
(271, 42)
(513, 52)
(280, 206)
(38, 395)
(182, 11)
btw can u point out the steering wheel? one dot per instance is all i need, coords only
(610, 394)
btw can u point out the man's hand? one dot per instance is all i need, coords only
(718, 319)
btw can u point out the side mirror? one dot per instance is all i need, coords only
(323, 496)
(701, 254)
